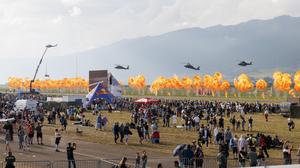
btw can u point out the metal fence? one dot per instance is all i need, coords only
(232, 163)
(62, 164)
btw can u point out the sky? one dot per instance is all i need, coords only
(26, 26)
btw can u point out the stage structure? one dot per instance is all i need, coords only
(103, 85)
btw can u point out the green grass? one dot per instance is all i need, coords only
(170, 137)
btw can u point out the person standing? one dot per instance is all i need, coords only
(8, 136)
(30, 133)
(287, 153)
(57, 136)
(260, 158)
(266, 113)
(174, 120)
(221, 159)
(252, 157)
(70, 154)
(10, 160)
(199, 156)
(121, 130)
(39, 134)
(234, 146)
(250, 125)
(242, 157)
(298, 155)
(98, 122)
(21, 136)
(144, 159)
(137, 160)
(140, 133)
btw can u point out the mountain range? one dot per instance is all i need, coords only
(272, 45)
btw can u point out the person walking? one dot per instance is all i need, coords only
(10, 160)
(116, 130)
(127, 132)
(70, 155)
(57, 136)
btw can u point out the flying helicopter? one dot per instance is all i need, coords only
(190, 66)
(244, 63)
(122, 67)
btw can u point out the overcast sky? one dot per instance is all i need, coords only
(26, 26)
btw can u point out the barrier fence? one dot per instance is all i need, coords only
(62, 164)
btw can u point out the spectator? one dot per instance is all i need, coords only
(144, 159)
(234, 146)
(10, 160)
(222, 159)
(137, 160)
(39, 134)
(57, 136)
(70, 154)
(242, 157)
(287, 153)
(116, 130)
(252, 157)
(260, 158)
(199, 156)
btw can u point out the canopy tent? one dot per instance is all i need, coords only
(147, 101)
(99, 92)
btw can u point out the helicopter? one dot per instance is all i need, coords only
(244, 63)
(190, 66)
(122, 67)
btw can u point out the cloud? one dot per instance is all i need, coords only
(57, 19)
(75, 11)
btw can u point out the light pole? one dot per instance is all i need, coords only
(37, 69)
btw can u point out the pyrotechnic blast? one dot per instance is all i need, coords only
(243, 83)
(157, 84)
(66, 83)
(137, 82)
(261, 85)
(282, 81)
(297, 81)
(197, 83)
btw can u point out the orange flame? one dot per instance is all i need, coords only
(261, 84)
(243, 83)
(66, 83)
(282, 81)
(137, 82)
(297, 81)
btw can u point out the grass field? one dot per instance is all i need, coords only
(170, 137)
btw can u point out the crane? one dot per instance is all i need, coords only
(38, 67)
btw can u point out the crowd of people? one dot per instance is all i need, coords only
(206, 119)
